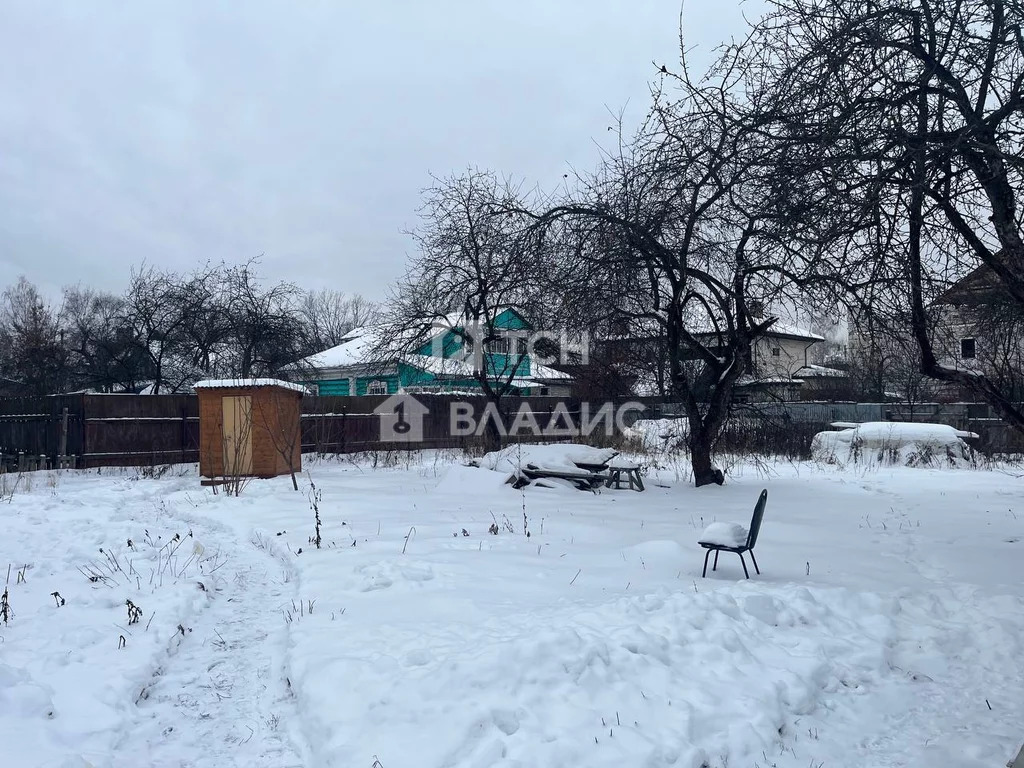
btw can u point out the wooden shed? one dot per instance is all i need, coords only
(249, 427)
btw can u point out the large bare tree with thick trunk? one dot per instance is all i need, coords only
(685, 236)
(915, 110)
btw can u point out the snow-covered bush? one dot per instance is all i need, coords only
(658, 435)
(895, 443)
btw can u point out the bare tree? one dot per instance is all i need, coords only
(101, 348)
(206, 327)
(911, 114)
(884, 364)
(330, 315)
(476, 258)
(265, 330)
(157, 307)
(685, 235)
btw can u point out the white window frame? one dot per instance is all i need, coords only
(377, 387)
(500, 346)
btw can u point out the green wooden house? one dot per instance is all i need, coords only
(441, 361)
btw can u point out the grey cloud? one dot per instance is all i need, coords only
(180, 132)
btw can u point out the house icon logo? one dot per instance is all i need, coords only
(401, 419)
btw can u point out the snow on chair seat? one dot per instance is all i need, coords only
(724, 535)
(733, 537)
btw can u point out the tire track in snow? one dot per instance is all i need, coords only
(220, 697)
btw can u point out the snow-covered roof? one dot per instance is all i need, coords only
(352, 351)
(793, 331)
(232, 383)
(750, 381)
(819, 371)
(703, 327)
(359, 345)
(446, 366)
(547, 373)
(441, 366)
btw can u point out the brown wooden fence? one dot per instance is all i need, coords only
(146, 430)
(100, 430)
(350, 424)
(40, 426)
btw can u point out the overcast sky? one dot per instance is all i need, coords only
(180, 132)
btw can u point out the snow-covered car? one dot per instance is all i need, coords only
(886, 442)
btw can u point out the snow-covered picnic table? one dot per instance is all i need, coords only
(583, 479)
(582, 465)
(620, 472)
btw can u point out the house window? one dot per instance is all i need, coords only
(499, 346)
(776, 352)
(967, 349)
(377, 387)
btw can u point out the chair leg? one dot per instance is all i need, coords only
(715, 566)
(706, 556)
(755, 562)
(744, 562)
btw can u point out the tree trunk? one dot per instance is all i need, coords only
(492, 431)
(706, 427)
(704, 470)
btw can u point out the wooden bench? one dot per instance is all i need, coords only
(585, 481)
(624, 473)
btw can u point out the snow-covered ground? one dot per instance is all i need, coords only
(886, 628)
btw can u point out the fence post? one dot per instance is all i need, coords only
(63, 443)
(184, 430)
(85, 430)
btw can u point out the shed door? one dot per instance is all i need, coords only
(237, 435)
